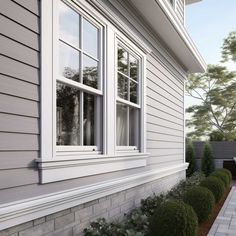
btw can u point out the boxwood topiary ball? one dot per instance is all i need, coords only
(215, 185)
(174, 218)
(202, 200)
(221, 175)
(228, 172)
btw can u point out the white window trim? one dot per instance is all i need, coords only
(73, 162)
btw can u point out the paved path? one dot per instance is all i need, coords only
(225, 223)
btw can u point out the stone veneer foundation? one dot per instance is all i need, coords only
(72, 221)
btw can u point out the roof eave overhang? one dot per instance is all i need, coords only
(163, 20)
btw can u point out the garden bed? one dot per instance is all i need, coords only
(205, 227)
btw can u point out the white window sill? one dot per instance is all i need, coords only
(68, 167)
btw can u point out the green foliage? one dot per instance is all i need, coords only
(178, 191)
(174, 218)
(216, 136)
(223, 176)
(137, 221)
(207, 164)
(202, 200)
(215, 185)
(228, 172)
(215, 91)
(190, 158)
(102, 228)
(229, 47)
(150, 204)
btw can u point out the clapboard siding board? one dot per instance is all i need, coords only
(157, 103)
(160, 145)
(164, 159)
(155, 111)
(162, 137)
(18, 159)
(180, 10)
(153, 83)
(154, 62)
(18, 106)
(18, 124)
(18, 70)
(151, 75)
(19, 88)
(19, 52)
(19, 33)
(164, 130)
(19, 14)
(18, 177)
(32, 5)
(166, 100)
(162, 122)
(16, 141)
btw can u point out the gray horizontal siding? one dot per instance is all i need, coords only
(165, 114)
(19, 92)
(19, 105)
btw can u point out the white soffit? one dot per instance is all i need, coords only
(161, 17)
(191, 1)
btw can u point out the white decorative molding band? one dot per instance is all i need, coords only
(18, 212)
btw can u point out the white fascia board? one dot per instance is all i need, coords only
(162, 18)
(18, 212)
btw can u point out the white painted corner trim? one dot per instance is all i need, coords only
(18, 212)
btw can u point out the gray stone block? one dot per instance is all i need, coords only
(39, 230)
(17, 228)
(63, 221)
(58, 214)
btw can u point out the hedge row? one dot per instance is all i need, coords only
(176, 213)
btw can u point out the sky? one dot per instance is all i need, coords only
(208, 22)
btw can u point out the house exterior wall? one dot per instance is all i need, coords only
(180, 10)
(20, 113)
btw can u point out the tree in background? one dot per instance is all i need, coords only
(215, 90)
(207, 165)
(229, 47)
(190, 158)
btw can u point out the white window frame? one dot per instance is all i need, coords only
(75, 161)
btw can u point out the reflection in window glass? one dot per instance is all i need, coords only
(68, 115)
(133, 63)
(133, 126)
(90, 72)
(89, 113)
(69, 22)
(133, 91)
(90, 38)
(69, 62)
(122, 60)
(121, 125)
(122, 86)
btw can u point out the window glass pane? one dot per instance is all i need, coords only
(133, 62)
(133, 91)
(122, 60)
(69, 62)
(89, 113)
(122, 87)
(69, 24)
(90, 72)
(121, 125)
(90, 38)
(68, 115)
(134, 127)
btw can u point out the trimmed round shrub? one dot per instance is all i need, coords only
(221, 175)
(228, 172)
(174, 218)
(202, 201)
(215, 185)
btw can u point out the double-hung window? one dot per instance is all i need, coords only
(93, 94)
(79, 82)
(128, 98)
